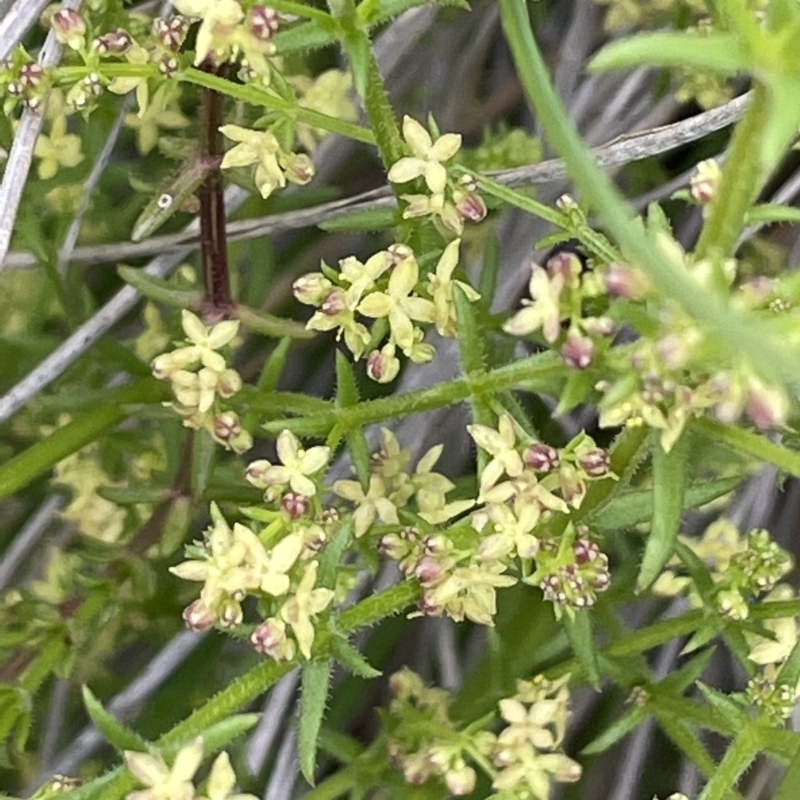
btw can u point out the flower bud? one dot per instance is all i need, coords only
(198, 616)
(566, 264)
(30, 75)
(595, 462)
(566, 203)
(399, 252)
(585, 550)
(299, 167)
(226, 425)
(296, 505)
(69, 27)
(541, 457)
(263, 22)
(231, 614)
(471, 207)
(578, 351)
(382, 365)
(312, 288)
(767, 406)
(622, 280)
(428, 571)
(334, 303)
(392, 545)
(168, 65)
(270, 639)
(599, 326)
(460, 781)
(705, 181)
(118, 41)
(170, 33)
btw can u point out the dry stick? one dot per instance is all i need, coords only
(620, 151)
(19, 160)
(16, 22)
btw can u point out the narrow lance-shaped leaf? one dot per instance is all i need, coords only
(669, 484)
(315, 683)
(171, 195)
(117, 734)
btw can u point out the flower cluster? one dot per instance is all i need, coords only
(175, 783)
(523, 760)
(274, 166)
(461, 568)
(201, 378)
(388, 286)
(447, 201)
(276, 566)
(742, 568)
(674, 372)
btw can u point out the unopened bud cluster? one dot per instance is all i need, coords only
(523, 760)
(774, 702)
(743, 567)
(388, 286)
(202, 380)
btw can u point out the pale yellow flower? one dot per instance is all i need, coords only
(156, 114)
(500, 444)
(370, 506)
(162, 782)
(543, 311)
(59, 149)
(219, 21)
(295, 467)
(427, 156)
(307, 602)
(440, 286)
(222, 780)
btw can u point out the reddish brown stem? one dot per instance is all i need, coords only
(213, 238)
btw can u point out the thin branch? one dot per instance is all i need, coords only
(19, 160)
(620, 151)
(17, 21)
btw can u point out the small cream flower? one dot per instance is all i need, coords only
(307, 602)
(399, 305)
(219, 21)
(296, 465)
(440, 285)
(164, 783)
(222, 780)
(543, 311)
(371, 505)
(428, 156)
(500, 444)
(59, 149)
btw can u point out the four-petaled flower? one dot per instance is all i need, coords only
(222, 780)
(306, 603)
(399, 305)
(162, 782)
(544, 310)
(499, 444)
(219, 21)
(428, 156)
(440, 286)
(296, 465)
(59, 149)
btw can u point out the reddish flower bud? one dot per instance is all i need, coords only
(118, 41)
(622, 281)
(226, 426)
(311, 289)
(198, 616)
(30, 75)
(295, 504)
(566, 264)
(585, 550)
(595, 462)
(541, 457)
(264, 21)
(428, 571)
(471, 207)
(171, 32)
(69, 27)
(578, 351)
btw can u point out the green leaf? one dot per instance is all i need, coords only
(632, 507)
(351, 658)
(487, 281)
(618, 729)
(117, 734)
(216, 736)
(722, 704)
(347, 396)
(578, 626)
(378, 219)
(274, 366)
(158, 289)
(789, 673)
(787, 790)
(270, 325)
(715, 52)
(204, 456)
(46, 453)
(315, 682)
(669, 483)
(331, 555)
(773, 212)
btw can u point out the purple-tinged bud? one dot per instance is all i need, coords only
(33, 103)
(541, 457)
(428, 606)
(704, 183)
(92, 84)
(600, 326)
(382, 365)
(399, 253)
(312, 288)
(428, 571)
(270, 639)
(228, 383)
(264, 21)
(622, 280)
(168, 65)
(226, 425)
(585, 550)
(231, 614)
(329, 516)
(170, 33)
(767, 406)
(30, 75)
(69, 27)
(595, 462)
(578, 351)
(296, 505)
(198, 616)
(566, 203)
(15, 89)
(118, 41)
(468, 182)
(392, 545)
(435, 543)
(334, 303)
(565, 264)
(299, 167)
(471, 207)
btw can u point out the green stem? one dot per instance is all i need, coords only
(751, 337)
(740, 754)
(741, 182)
(336, 785)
